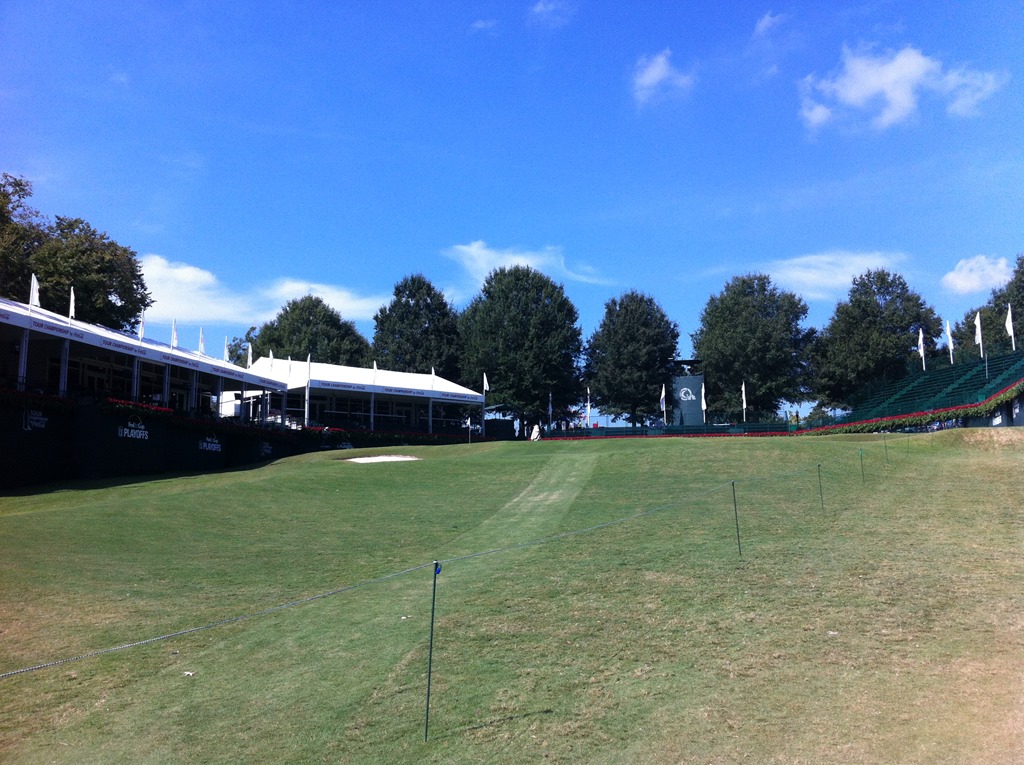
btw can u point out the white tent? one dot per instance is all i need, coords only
(364, 394)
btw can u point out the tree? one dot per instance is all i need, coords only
(522, 331)
(22, 231)
(107, 277)
(872, 337)
(993, 319)
(751, 333)
(238, 348)
(306, 327)
(417, 330)
(630, 357)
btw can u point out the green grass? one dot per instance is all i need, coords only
(885, 628)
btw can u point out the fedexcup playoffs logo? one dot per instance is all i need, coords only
(209, 444)
(134, 429)
(685, 394)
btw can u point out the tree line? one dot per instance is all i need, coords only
(523, 332)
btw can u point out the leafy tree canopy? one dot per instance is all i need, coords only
(752, 333)
(417, 330)
(872, 337)
(993, 319)
(305, 327)
(630, 357)
(106, 276)
(522, 331)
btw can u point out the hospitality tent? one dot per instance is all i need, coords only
(46, 353)
(367, 398)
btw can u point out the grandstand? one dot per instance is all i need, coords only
(961, 384)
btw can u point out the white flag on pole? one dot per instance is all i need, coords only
(174, 333)
(71, 306)
(486, 386)
(33, 292)
(949, 342)
(920, 345)
(1009, 325)
(248, 360)
(225, 347)
(977, 333)
(202, 342)
(703, 403)
(142, 326)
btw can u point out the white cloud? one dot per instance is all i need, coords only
(655, 76)
(347, 303)
(484, 25)
(889, 86)
(479, 261)
(978, 274)
(828, 275)
(192, 295)
(552, 13)
(767, 23)
(967, 88)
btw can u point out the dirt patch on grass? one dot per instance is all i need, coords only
(993, 439)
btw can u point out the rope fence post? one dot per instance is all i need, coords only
(821, 489)
(430, 651)
(736, 513)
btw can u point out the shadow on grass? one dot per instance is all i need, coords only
(109, 482)
(451, 732)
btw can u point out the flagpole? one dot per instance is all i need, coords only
(979, 340)
(1009, 325)
(483, 408)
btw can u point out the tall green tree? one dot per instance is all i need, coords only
(630, 357)
(418, 330)
(993, 319)
(872, 337)
(22, 231)
(752, 333)
(303, 327)
(523, 332)
(107, 277)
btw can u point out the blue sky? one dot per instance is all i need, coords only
(252, 152)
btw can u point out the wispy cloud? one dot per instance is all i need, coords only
(767, 23)
(887, 88)
(978, 274)
(655, 77)
(483, 26)
(828, 275)
(552, 13)
(479, 260)
(192, 295)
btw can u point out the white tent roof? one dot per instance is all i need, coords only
(48, 323)
(362, 380)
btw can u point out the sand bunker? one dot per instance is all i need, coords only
(384, 458)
